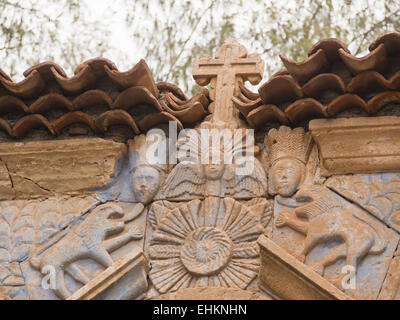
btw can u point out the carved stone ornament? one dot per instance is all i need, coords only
(87, 244)
(328, 233)
(206, 243)
(167, 197)
(208, 173)
(288, 152)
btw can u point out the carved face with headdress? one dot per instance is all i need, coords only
(288, 151)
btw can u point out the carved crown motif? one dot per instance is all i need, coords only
(288, 143)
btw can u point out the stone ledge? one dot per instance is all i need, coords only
(130, 269)
(284, 277)
(43, 168)
(357, 144)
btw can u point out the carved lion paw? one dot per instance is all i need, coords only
(135, 233)
(281, 219)
(300, 256)
(318, 269)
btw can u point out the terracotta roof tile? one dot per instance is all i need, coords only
(391, 41)
(78, 83)
(330, 47)
(95, 99)
(379, 101)
(328, 82)
(305, 109)
(280, 89)
(305, 70)
(31, 86)
(139, 75)
(322, 82)
(266, 113)
(92, 98)
(368, 81)
(344, 102)
(115, 117)
(73, 117)
(375, 60)
(29, 122)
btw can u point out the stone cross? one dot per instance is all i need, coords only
(230, 66)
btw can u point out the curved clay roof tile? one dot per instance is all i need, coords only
(264, 114)
(6, 127)
(391, 40)
(170, 87)
(11, 104)
(50, 101)
(368, 81)
(193, 112)
(139, 75)
(330, 47)
(133, 96)
(248, 93)
(73, 117)
(153, 119)
(97, 66)
(395, 81)
(81, 81)
(382, 99)
(177, 104)
(92, 98)
(280, 89)
(375, 60)
(346, 101)
(31, 86)
(308, 68)
(29, 122)
(116, 117)
(304, 109)
(4, 75)
(45, 70)
(322, 82)
(246, 107)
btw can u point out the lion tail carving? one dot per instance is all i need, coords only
(380, 242)
(36, 252)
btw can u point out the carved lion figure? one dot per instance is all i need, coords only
(87, 240)
(325, 217)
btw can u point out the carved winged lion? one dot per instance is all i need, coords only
(324, 217)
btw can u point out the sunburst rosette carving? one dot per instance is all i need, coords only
(206, 243)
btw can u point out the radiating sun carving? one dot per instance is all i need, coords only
(206, 243)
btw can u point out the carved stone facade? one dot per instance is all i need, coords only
(297, 210)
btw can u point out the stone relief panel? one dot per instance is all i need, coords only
(333, 233)
(215, 168)
(139, 173)
(377, 193)
(391, 286)
(85, 249)
(318, 226)
(26, 223)
(210, 242)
